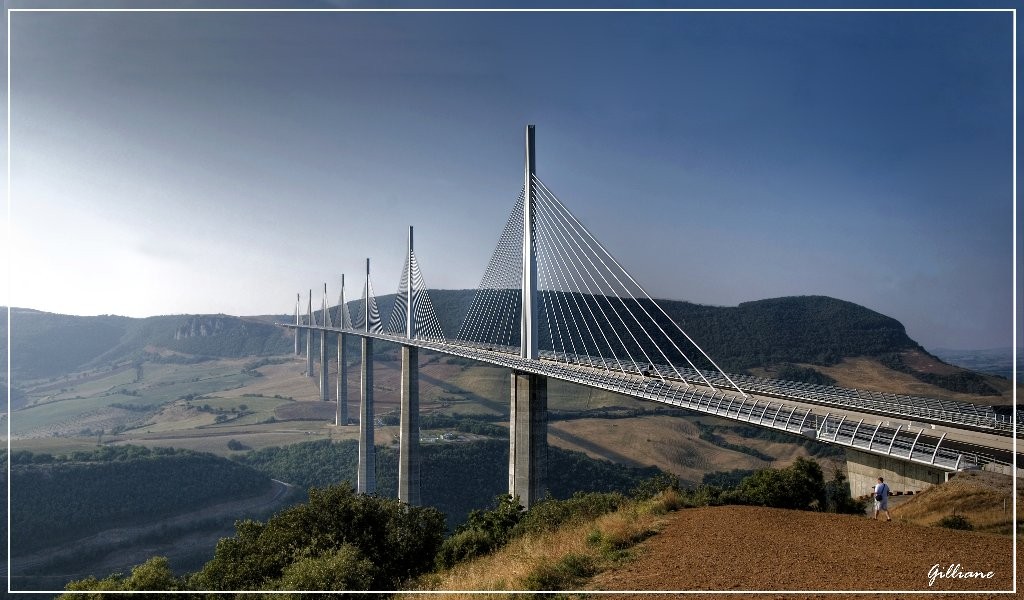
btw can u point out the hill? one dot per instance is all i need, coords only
(776, 334)
(984, 499)
(48, 345)
(56, 499)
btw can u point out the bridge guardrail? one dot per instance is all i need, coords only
(773, 414)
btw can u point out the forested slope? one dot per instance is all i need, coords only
(56, 499)
(454, 477)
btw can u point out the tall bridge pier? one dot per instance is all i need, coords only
(366, 471)
(298, 332)
(325, 393)
(341, 416)
(309, 337)
(409, 450)
(528, 413)
(409, 440)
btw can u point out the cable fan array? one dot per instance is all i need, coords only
(368, 311)
(425, 322)
(343, 318)
(494, 316)
(590, 310)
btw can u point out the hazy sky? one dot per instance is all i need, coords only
(221, 162)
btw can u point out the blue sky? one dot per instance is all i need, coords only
(196, 162)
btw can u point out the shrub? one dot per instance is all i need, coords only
(549, 514)
(653, 486)
(668, 500)
(955, 521)
(705, 495)
(838, 499)
(483, 532)
(799, 486)
(565, 574)
(397, 540)
(346, 569)
(237, 445)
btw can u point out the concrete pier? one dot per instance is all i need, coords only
(863, 471)
(309, 338)
(409, 451)
(366, 471)
(341, 416)
(325, 382)
(528, 438)
(298, 332)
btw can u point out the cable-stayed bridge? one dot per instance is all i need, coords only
(555, 303)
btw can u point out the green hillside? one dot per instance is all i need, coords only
(56, 499)
(455, 477)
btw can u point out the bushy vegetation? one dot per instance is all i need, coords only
(791, 372)
(799, 486)
(483, 532)
(383, 541)
(726, 479)
(955, 521)
(58, 498)
(339, 540)
(151, 576)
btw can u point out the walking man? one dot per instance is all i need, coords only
(882, 499)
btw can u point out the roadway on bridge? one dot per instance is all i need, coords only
(965, 440)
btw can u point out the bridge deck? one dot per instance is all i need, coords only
(769, 404)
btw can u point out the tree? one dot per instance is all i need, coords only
(151, 576)
(396, 541)
(798, 486)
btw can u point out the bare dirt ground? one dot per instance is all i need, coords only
(764, 549)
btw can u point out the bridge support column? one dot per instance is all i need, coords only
(366, 472)
(864, 469)
(341, 416)
(325, 382)
(309, 352)
(528, 438)
(309, 337)
(409, 452)
(298, 332)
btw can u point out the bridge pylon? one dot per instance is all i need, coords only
(528, 412)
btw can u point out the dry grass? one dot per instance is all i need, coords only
(566, 556)
(869, 374)
(669, 443)
(985, 499)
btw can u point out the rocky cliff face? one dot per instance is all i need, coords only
(202, 326)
